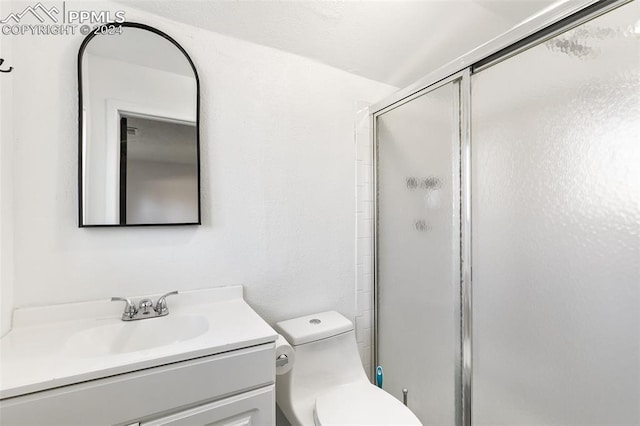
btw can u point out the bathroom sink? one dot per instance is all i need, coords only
(61, 345)
(124, 337)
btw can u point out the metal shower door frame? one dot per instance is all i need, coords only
(462, 337)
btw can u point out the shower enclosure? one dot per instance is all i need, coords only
(507, 259)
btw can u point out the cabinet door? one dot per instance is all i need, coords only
(250, 408)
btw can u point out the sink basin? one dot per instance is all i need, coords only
(133, 336)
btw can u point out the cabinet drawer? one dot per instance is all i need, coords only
(250, 408)
(127, 398)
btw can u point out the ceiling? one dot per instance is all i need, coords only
(395, 41)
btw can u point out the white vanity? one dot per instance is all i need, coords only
(210, 361)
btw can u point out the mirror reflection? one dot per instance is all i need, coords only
(139, 158)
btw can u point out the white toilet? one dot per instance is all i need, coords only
(327, 384)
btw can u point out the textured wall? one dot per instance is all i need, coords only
(6, 179)
(277, 180)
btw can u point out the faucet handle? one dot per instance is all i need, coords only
(161, 305)
(129, 310)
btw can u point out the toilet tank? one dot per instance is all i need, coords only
(311, 328)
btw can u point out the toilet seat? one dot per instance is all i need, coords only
(361, 404)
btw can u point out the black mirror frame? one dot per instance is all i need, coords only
(83, 46)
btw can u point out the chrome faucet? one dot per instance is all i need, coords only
(145, 305)
(145, 308)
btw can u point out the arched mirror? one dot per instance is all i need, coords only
(139, 161)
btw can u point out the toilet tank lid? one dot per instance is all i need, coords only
(310, 328)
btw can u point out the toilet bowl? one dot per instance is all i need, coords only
(327, 384)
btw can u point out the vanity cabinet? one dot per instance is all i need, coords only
(228, 388)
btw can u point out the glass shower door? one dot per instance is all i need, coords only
(556, 228)
(418, 252)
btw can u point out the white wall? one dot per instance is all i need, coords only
(277, 180)
(6, 179)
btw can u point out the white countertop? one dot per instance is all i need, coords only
(46, 347)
